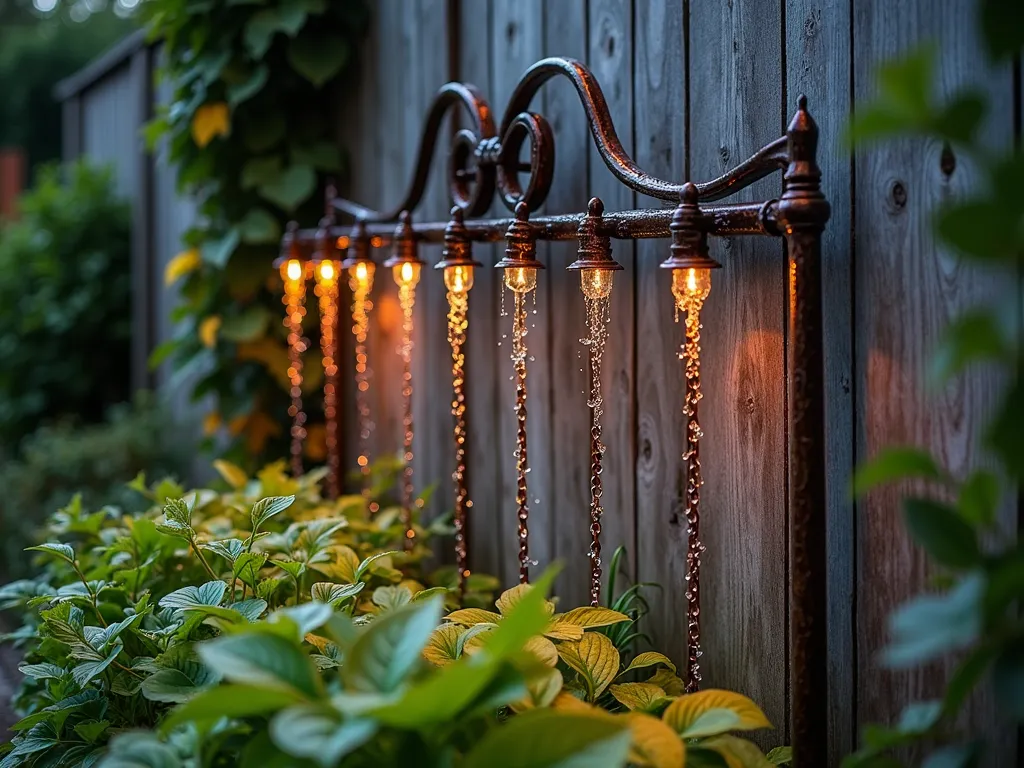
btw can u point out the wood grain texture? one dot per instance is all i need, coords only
(565, 34)
(907, 290)
(818, 65)
(433, 461)
(610, 57)
(736, 108)
(489, 531)
(659, 130)
(517, 36)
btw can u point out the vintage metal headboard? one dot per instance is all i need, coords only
(484, 160)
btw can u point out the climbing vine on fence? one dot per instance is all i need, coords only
(251, 127)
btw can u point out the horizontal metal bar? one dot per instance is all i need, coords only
(722, 221)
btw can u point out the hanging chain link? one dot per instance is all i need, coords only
(327, 290)
(522, 464)
(294, 300)
(407, 300)
(690, 354)
(458, 306)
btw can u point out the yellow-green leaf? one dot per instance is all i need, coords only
(595, 658)
(559, 630)
(565, 701)
(442, 648)
(210, 121)
(542, 690)
(470, 616)
(343, 569)
(649, 659)
(654, 744)
(737, 752)
(208, 330)
(233, 474)
(589, 616)
(669, 681)
(510, 597)
(642, 696)
(543, 649)
(711, 712)
(181, 265)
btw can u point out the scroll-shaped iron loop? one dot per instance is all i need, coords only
(474, 203)
(533, 127)
(767, 160)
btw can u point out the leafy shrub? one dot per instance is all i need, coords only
(94, 463)
(269, 626)
(252, 129)
(975, 615)
(65, 319)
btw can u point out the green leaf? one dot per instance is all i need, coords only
(264, 509)
(290, 188)
(318, 58)
(310, 732)
(645, 697)
(264, 24)
(953, 756)
(259, 227)
(365, 565)
(246, 90)
(930, 626)
(546, 738)
(44, 671)
(85, 671)
(384, 655)
(919, 717)
(965, 678)
(979, 498)
(260, 135)
(322, 155)
(176, 685)
(780, 756)
(738, 753)
(229, 549)
(61, 551)
(247, 567)
(140, 749)
(334, 594)
(892, 464)
(266, 660)
(712, 712)
(946, 536)
(210, 593)
(596, 659)
(260, 170)
(649, 659)
(589, 617)
(251, 324)
(970, 338)
(961, 117)
(391, 597)
(1004, 435)
(230, 701)
(978, 229)
(217, 252)
(91, 730)
(307, 617)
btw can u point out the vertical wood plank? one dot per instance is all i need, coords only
(143, 266)
(517, 36)
(736, 108)
(610, 57)
(565, 34)
(426, 71)
(818, 65)
(489, 532)
(902, 273)
(659, 100)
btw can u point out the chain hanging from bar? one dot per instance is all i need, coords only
(294, 274)
(522, 462)
(690, 355)
(407, 301)
(327, 278)
(458, 322)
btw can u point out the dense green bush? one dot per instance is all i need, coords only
(94, 462)
(268, 626)
(65, 316)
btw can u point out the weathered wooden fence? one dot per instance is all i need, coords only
(694, 87)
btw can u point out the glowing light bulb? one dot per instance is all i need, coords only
(293, 270)
(326, 271)
(521, 279)
(690, 287)
(362, 273)
(596, 283)
(406, 274)
(458, 279)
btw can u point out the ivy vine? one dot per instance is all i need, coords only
(251, 127)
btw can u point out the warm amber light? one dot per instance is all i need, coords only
(458, 279)
(690, 287)
(326, 271)
(293, 269)
(596, 283)
(521, 279)
(407, 273)
(362, 273)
